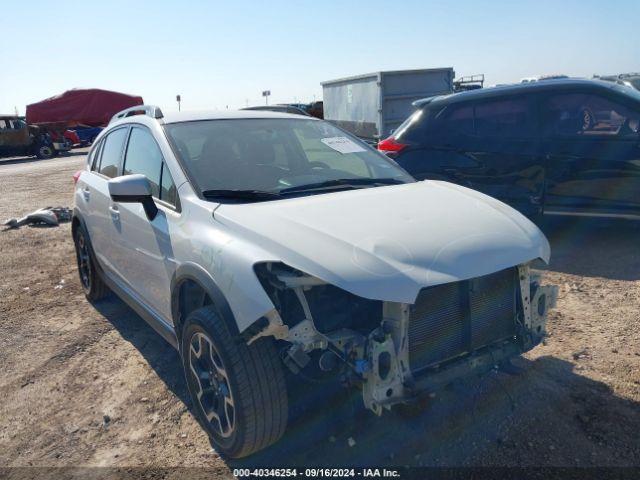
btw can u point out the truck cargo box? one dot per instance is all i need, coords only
(371, 106)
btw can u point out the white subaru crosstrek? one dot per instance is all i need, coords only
(269, 247)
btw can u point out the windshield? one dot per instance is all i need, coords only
(277, 155)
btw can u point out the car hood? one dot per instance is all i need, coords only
(387, 243)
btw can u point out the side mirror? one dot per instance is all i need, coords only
(133, 189)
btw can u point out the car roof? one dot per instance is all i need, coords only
(491, 92)
(176, 117)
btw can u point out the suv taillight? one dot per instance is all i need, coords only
(391, 146)
(76, 176)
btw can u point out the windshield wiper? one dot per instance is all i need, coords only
(343, 183)
(241, 194)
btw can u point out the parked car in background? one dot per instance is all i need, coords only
(87, 134)
(316, 109)
(631, 80)
(267, 246)
(279, 108)
(72, 137)
(18, 138)
(569, 147)
(540, 78)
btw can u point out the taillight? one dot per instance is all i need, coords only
(76, 176)
(391, 146)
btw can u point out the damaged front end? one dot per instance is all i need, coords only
(397, 351)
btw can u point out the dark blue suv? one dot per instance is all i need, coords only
(568, 147)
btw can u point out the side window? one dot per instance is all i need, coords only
(505, 118)
(413, 128)
(588, 115)
(456, 120)
(112, 152)
(94, 159)
(168, 191)
(144, 156)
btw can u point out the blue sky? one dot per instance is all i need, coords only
(219, 54)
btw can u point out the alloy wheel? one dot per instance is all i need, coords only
(84, 261)
(212, 384)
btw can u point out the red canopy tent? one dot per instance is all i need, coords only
(92, 106)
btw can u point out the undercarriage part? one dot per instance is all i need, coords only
(328, 361)
(274, 328)
(395, 351)
(543, 298)
(296, 358)
(383, 381)
(298, 296)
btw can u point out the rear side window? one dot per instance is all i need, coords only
(456, 119)
(588, 115)
(413, 128)
(507, 118)
(111, 152)
(144, 156)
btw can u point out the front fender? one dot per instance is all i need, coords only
(191, 271)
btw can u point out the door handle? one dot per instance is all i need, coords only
(115, 213)
(86, 193)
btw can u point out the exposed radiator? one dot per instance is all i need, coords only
(451, 319)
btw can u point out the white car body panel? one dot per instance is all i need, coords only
(384, 243)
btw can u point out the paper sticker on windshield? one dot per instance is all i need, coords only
(342, 144)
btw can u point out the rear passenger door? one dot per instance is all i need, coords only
(94, 194)
(507, 149)
(592, 146)
(145, 258)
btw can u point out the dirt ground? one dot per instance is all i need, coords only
(93, 385)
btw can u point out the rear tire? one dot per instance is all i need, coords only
(92, 284)
(238, 390)
(44, 151)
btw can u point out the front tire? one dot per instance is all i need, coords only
(238, 390)
(92, 284)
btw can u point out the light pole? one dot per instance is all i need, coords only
(266, 94)
(178, 99)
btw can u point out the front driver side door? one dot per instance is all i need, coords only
(145, 258)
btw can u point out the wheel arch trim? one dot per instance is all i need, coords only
(194, 272)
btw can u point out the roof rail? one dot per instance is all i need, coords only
(148, 110)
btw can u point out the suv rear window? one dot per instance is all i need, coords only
(456, 119)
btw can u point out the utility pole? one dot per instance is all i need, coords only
(266, 94)
(178, 99)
